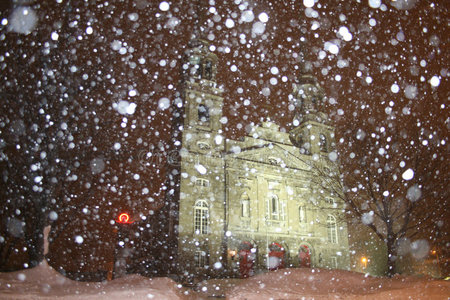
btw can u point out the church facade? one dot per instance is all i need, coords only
(247, 205)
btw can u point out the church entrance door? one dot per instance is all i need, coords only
(304, 257)
(246, 260)
(276, 257)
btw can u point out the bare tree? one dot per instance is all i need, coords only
(395, 185)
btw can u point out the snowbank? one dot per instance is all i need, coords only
(336, 284)
(43, 282)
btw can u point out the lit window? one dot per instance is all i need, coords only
(302, 214)
(201, 215)
(332, 229)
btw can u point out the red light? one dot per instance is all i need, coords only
(124, 218)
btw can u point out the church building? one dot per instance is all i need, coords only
(247, 205)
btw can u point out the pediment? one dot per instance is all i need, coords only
(271, 154)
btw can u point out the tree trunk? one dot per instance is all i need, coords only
(6, 250)
(391, 256)
(35, 245)
(34, 237)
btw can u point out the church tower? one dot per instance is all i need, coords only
(312, 131)
(198, 134)
(202, 97)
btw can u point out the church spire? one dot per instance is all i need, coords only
(197, 32)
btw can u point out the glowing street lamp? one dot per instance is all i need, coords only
(120, 232)
(434, 252)
(364, 261)
(124, 218)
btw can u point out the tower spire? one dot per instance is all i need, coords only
(307, 96)
(309, 122)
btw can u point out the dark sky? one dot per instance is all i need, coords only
(387, 68)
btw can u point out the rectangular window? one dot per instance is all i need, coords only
(202, 182)
(323, 143)
(201, 217)
(332, 229)
(201, 221)
(334, 264)
(200, 258)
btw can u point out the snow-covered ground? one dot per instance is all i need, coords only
(43, 282)
(337, 284)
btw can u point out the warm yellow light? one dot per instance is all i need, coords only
(364, 262)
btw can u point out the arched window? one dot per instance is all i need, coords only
(208, 69)
(245, 206)
(203, 113)
(274, 207)
(323, 143)
(332, 229)
(201, 214)
(198, 70)
(302, 214)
